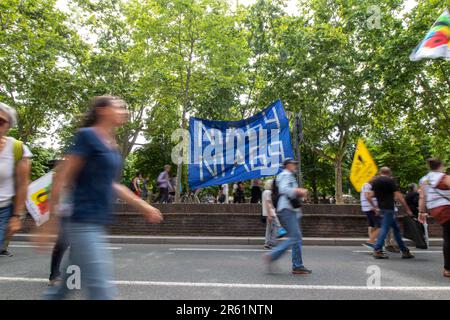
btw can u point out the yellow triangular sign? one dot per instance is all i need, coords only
(363, 167)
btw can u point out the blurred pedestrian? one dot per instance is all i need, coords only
(136, 184)
(412, 199)
(256, 191)
(164, 185)
(225, 193)
(435, 197)
(15, 166)
(369, 206)
(289, 213)
(144, 187)
(239, 196)
(386, 192)
(270, 216)
(91, 169)
(62, 241)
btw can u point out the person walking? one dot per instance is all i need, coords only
(386, 192)
(434, 196)
(163, 183)
(256, 191)
(270, 216)
(239, 196)
(91, 169)
(15, 166)
(369, 205)
(289, 214)
(225, 193)
(62, 241)
(144, 186)
(136, 184)
(412, 199)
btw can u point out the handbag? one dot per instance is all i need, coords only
(296, 202)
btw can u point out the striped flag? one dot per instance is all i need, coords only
(437, 41)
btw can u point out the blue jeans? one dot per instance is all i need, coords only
(5, 215)
(389, 221)
(291, 222)
(88, 252)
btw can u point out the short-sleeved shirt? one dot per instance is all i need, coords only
(7, 170)
(384, 189)
(365, 204)
(93, 195)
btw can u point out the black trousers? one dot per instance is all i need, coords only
(61, 245)
(163, 195)
(256, 194)
(446, 246)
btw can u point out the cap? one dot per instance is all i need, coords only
(289, 160)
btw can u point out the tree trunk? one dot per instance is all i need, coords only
(314, 189)
(338, 180)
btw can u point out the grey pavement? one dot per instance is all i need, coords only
(171, 271)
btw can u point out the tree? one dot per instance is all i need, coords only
(35, 45)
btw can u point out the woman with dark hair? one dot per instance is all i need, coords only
(91, 169)
(435, 197)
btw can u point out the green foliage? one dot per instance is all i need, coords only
(172, 59)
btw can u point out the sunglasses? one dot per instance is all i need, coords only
(3, 121)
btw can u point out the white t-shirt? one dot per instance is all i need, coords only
(7, 170)
(266, 197)
(225, 192)
(365, 204)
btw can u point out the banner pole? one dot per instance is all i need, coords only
(299, 138)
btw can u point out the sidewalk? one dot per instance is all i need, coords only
(228, 240)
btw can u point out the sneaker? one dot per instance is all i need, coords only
(54, 282)
(301, 270)
(6, 253)
(369, 245)
(446, 273)
(267, 247)
(378, 254)
(407, 255)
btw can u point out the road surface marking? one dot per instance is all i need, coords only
(35, 246)
(425, 251)
(218, 249)
(247, 285)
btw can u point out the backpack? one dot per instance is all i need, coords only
(275, 193)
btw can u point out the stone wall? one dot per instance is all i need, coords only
(239, 220)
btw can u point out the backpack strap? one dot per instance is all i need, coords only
(17, 150)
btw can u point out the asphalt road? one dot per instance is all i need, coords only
(237, 272)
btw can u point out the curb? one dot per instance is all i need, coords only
(434, 242)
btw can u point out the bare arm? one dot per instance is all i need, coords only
(399, 197)
(65, 174)
(422, 207)
(152, 214)
(369, 197)
(22, 179)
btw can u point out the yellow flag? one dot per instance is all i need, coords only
(363, 167)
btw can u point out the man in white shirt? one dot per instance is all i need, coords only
(14, 177)
(369, 207)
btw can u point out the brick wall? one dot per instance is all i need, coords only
(239, 220)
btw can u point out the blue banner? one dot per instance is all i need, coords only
(230, 151)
